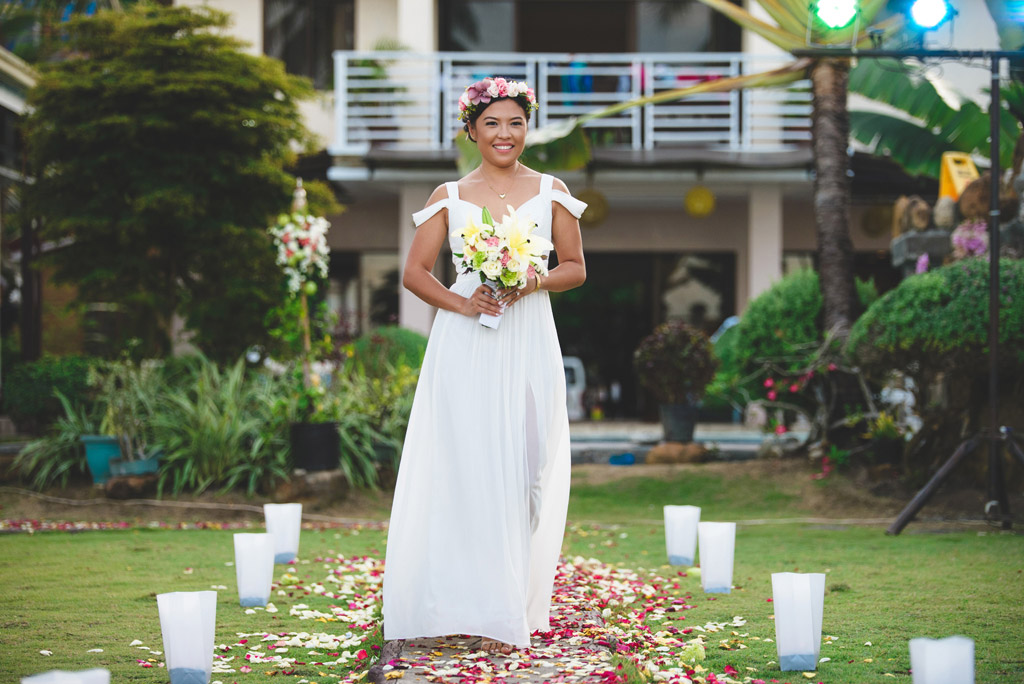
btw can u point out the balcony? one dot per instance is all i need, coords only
(408, 102)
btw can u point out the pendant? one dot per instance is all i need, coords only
(502, 195)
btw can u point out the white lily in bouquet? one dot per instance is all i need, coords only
(505, 255)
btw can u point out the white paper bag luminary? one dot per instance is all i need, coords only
(942, 661)
(254, 568)
(95, 676)
(681, 533)
(799, 601)
(284, 521)
(187, 622)
(717, 542)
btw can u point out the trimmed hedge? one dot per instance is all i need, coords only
(939, 320)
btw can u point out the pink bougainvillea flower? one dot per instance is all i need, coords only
(730, 670)
(832, 366)
(769, 382)
(245, 669)
(771, 395)
(781, 429)
(794, 387)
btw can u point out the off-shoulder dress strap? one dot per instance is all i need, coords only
(423, 215)
(575, 206)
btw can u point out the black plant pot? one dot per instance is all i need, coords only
(315, 446)
(678, 421)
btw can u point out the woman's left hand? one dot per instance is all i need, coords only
(510, 296)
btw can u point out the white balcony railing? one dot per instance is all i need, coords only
(409, 101)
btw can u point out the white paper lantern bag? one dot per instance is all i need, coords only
(254, 568)
(95, 676)
(799, 600)
(284, 521)
(187, 622)
(717, 543)
(942, 661)
(681, 533)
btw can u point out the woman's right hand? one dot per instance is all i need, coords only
(482, 301)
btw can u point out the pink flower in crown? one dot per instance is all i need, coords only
(530, 96)
(493, 90)
(502, 86)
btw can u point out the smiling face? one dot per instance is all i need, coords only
(500, 132)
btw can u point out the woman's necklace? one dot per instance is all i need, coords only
(501, 194)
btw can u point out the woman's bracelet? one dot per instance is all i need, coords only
(538, 283)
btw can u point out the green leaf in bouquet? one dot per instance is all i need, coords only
(486, 217)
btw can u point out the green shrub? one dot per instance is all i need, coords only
(938, 321)
(933, 327)
(675, 363)
(55, 457)
(784, 324)
(217, 427)
(388, 347)
(29, 389)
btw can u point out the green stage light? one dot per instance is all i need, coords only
(836, 13)
(928, 14)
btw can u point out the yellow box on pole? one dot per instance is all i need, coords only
(957, 171)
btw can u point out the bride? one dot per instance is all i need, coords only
(480, 502)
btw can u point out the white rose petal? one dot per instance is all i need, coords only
(46, 653)
(95, 650)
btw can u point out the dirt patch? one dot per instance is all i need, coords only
(846, 496)
(842, 497)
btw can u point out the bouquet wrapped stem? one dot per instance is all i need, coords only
(505, 254)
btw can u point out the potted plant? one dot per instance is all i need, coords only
(126, 389)
(302, 252)
(53, 458)
(676, 363)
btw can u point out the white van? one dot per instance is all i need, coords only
(575, 385)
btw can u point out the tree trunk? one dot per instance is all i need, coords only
(830, 130)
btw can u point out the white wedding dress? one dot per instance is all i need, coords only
(480, 503)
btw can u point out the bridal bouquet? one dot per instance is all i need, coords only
(505, 254)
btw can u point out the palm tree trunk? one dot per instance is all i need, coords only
(830, 130)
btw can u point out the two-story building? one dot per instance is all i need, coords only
(388, 119)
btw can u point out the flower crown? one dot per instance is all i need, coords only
(487, 89)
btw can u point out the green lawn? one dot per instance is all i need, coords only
(69, 593)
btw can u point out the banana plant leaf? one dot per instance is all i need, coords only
(893, 83)
(563, 146)
(917, 149)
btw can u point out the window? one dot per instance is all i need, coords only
(304, 33)
(585, 26)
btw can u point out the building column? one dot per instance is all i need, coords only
(764, 239)
(413, 312)
(417, 24)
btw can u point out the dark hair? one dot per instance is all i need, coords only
(480, 110)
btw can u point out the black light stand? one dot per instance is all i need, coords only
(996, 436)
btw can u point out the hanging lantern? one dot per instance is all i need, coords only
(597, 207)
(699, 201)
